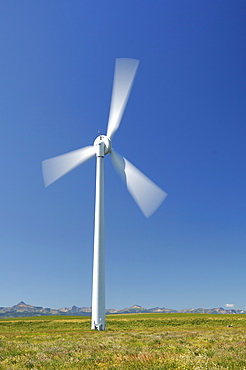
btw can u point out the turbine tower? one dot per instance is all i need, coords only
(146, 193)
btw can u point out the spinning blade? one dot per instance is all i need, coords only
(56, 167)
(125, 70)
(145, 192)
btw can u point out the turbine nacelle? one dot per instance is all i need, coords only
(102, 145)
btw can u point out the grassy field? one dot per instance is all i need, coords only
(141, 341)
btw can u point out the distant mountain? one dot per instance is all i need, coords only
(25, 310)
(139, 309)
(218, 310)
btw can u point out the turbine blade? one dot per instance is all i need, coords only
(125, 70)
(145, 192)
(56, 167)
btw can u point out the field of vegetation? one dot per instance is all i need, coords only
(140, 341)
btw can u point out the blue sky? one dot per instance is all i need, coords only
(184, 126)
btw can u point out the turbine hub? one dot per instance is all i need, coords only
(105, 141)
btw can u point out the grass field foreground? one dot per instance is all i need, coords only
(141, 341)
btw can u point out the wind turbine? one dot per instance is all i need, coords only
(146, 193)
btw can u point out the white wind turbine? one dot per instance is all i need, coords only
(146, 194)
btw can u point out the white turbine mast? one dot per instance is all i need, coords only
(146, 193)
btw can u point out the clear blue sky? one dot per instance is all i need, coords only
(184, 126)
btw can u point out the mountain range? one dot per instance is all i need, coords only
(25, 310)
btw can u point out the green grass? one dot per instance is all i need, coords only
(141, 341)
